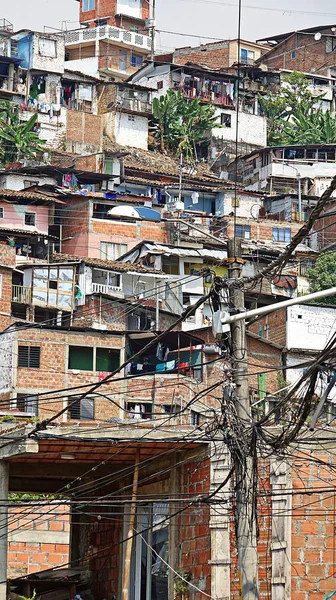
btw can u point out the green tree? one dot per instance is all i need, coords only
(323, 275)
(180, 124)
(292, 115)
(17, 138)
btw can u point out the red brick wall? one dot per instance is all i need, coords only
(193, 527)
(214, 56)
(263, 357)
(313, 527)
(84, 128)
(108, 8)
(272, 326)
(310, 55)
(260, 229)
(33, 555)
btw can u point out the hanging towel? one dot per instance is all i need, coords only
(170, 365)
(160, 367)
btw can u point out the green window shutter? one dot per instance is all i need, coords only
(262, 385)
(80, 358)
(107, 359)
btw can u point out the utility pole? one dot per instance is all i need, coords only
(242, 442)
(152, 17)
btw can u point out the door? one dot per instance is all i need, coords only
(149, 570)
(122, 60)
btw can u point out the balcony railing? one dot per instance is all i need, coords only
(130, 38)
(220, 100)
(21, 294)
(102, 288)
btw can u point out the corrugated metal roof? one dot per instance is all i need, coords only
(194, 252)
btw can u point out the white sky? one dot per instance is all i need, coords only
(214, 18)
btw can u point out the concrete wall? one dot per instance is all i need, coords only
(252, 128)
(310, 327)
(13, 181)
(131, 130)
(43, 57)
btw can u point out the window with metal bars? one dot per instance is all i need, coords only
(29, 357)
(81, 409)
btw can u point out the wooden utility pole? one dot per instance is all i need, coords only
(130, 532)
(242, 440)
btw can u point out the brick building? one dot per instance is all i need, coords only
(116, 42)
(308, 50)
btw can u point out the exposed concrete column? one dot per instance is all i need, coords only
(4, 482)
(220, 524)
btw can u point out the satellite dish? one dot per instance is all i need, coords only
(255, 211)
(317, 36)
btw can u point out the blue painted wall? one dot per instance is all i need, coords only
(25, 51)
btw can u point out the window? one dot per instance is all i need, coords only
(53, 286)
(108, 166)
(30, 219)
(293, 54)
(81, 409)
(27, 404)
(131, 118)
(139, 410)
(235, 201)
(80, 358)
(226, 120)
(136, 60)
(27, 183)
(47, 47)
(281, 234)
(305, 263)
(1, 213)
(112, 251)
(160, 85)
(29, 357)
(194, 418)
(247, 56)
(134, 28)
(330, 45)
(243, 231)
(88, 5)
(107, 359)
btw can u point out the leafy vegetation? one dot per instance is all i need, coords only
(294, 117)
(17, 139)
(323, 275)
(181, 124)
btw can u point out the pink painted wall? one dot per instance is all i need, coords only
(14, 217)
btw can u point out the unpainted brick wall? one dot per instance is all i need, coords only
(214, 56)
(301, 52)
(261, 229)
(108, 8)
(272, 327)
(27, 552)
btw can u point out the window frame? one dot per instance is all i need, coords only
(29, 214)
(245, 229)
(88, 5)
(29, 359)
(75, 412)
(73, 365)
(279, 234)
(105, 255)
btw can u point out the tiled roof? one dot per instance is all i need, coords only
(24, 195)
(157, 163)
(112, 265)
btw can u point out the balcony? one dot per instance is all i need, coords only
(21, 294)
(102, 288)
(211, 97)
(106, 32)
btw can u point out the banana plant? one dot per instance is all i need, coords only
(17, 139)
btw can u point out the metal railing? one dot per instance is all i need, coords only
(21, 294)
(102, 288)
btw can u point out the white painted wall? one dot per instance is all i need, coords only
(12, 181)
(7, 361)
(131, 130)
(130, 7)
(293, 374)
(89, 66)
(151, 77)
(310, 327)
(248, 205)
(52, 129)
(252, 128)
